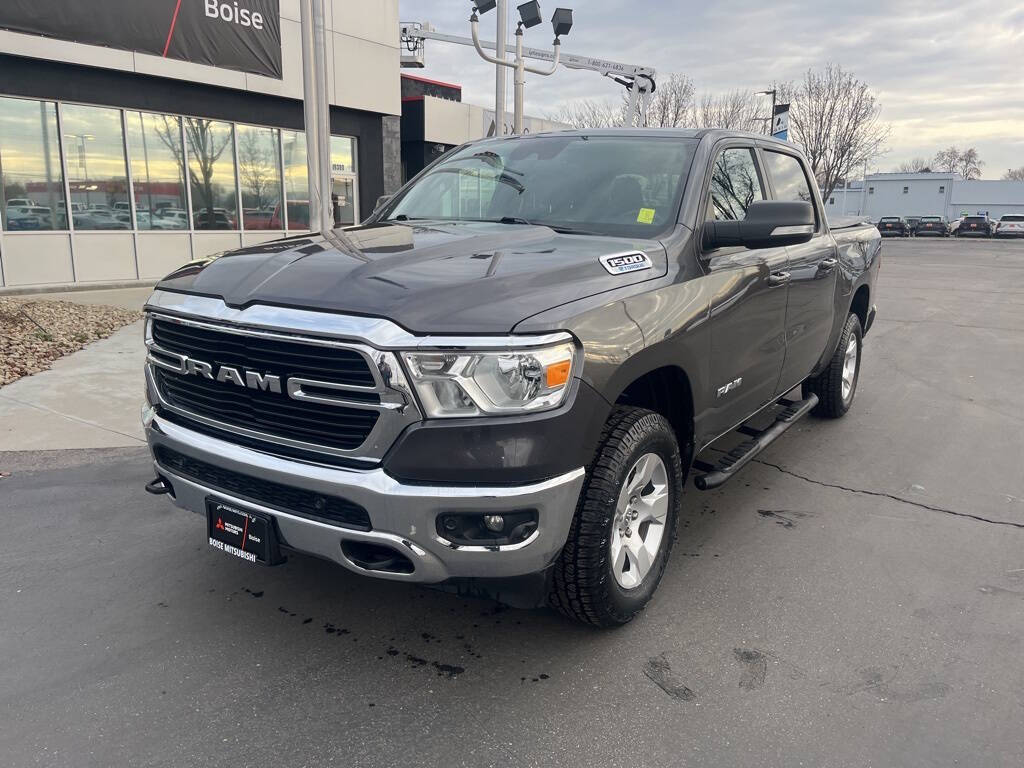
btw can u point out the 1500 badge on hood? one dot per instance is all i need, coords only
(621, 263)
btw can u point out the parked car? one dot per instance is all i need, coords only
(515, 395)
(932, 225)
(975, 226)
(20, 202)
(176, 215)
(298, 215)
(215, 219)
(20, 219)
(912, 222)
(97, 220)
(893, 226)
(1010, 225)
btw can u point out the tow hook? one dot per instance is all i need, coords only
(158, 486)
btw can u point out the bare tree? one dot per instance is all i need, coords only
(835, 119)
(914, 165)
(589, 113)
(736, 110)
(1014, 174)
(671, 103)
(256, 166)
(205, 148)
(969, 164)
(947, 160)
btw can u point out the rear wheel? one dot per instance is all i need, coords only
(624, 526)
(836, 386)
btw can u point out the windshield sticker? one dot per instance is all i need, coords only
(646, 216)
(621, 263)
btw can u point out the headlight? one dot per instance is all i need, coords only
(478, 383)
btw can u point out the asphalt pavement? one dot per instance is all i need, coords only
(853, 598)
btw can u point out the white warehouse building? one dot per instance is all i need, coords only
(925, 194)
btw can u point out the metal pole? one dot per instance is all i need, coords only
(499, 70)
(323, 114)
(520, 82)
(309, 113)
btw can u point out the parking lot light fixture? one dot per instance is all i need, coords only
(561, 21)
(530, 14)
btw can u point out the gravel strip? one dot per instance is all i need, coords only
(35, 333)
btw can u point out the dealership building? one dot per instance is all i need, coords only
(925, 194)
(135, 136)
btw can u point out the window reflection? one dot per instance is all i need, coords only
(734, 185)
(296, 179)
(97, 174)
(343, 180)
(259, 170)
(343, 156)
(158, 170)
(211, 171)
(31, 184)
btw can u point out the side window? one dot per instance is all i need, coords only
(789, 178)
(734, 185)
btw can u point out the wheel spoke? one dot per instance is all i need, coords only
(641, 559)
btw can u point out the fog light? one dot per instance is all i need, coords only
(494, 523)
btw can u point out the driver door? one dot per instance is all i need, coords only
(748, 302)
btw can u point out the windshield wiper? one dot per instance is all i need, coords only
(557, 228)
(514, 220)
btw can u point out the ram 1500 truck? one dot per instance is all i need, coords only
(506, 374)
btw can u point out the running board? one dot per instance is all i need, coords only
(738, 457)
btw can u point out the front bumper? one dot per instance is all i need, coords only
(403, 517)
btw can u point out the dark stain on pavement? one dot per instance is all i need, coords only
(659, 671)
(755, 666)
(787, 518)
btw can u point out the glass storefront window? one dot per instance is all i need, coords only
(158, 170)
(343, 155)
(343, 182)
(31, 182)
(296, 179)
(259, 171)
(97, 174)
(211, 172)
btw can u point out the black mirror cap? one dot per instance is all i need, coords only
(768, 224)
(530, 14)
(561, 21)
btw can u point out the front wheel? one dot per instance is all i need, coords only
(624, 526)
(836, 386)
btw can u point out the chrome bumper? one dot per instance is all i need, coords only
(402, 517)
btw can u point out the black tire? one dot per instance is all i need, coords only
(828, 385)
(583, 586)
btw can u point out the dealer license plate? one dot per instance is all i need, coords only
(241, 533)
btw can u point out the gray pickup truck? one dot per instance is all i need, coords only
(501, 381)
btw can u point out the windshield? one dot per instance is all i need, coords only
(626, 186)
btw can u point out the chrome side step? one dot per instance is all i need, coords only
(737, 458)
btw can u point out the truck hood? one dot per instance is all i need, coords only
(430, 277)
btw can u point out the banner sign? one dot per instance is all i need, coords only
(780, 122)
(233, 34)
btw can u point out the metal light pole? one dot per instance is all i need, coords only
(771, 116)
(499, 71)
(316, 114)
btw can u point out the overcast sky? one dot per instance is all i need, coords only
(944, 72)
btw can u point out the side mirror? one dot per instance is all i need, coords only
(769, 223)
(381, 201)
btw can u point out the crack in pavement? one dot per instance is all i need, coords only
(884, 495)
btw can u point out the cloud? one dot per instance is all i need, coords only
(945, 72)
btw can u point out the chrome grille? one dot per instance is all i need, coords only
(344, 400)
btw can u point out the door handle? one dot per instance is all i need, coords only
(827, 265)
(778, 278)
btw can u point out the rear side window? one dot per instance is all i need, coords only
(788, 178)
(734, 185)
(1012, 217)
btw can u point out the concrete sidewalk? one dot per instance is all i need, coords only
(89, 399)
